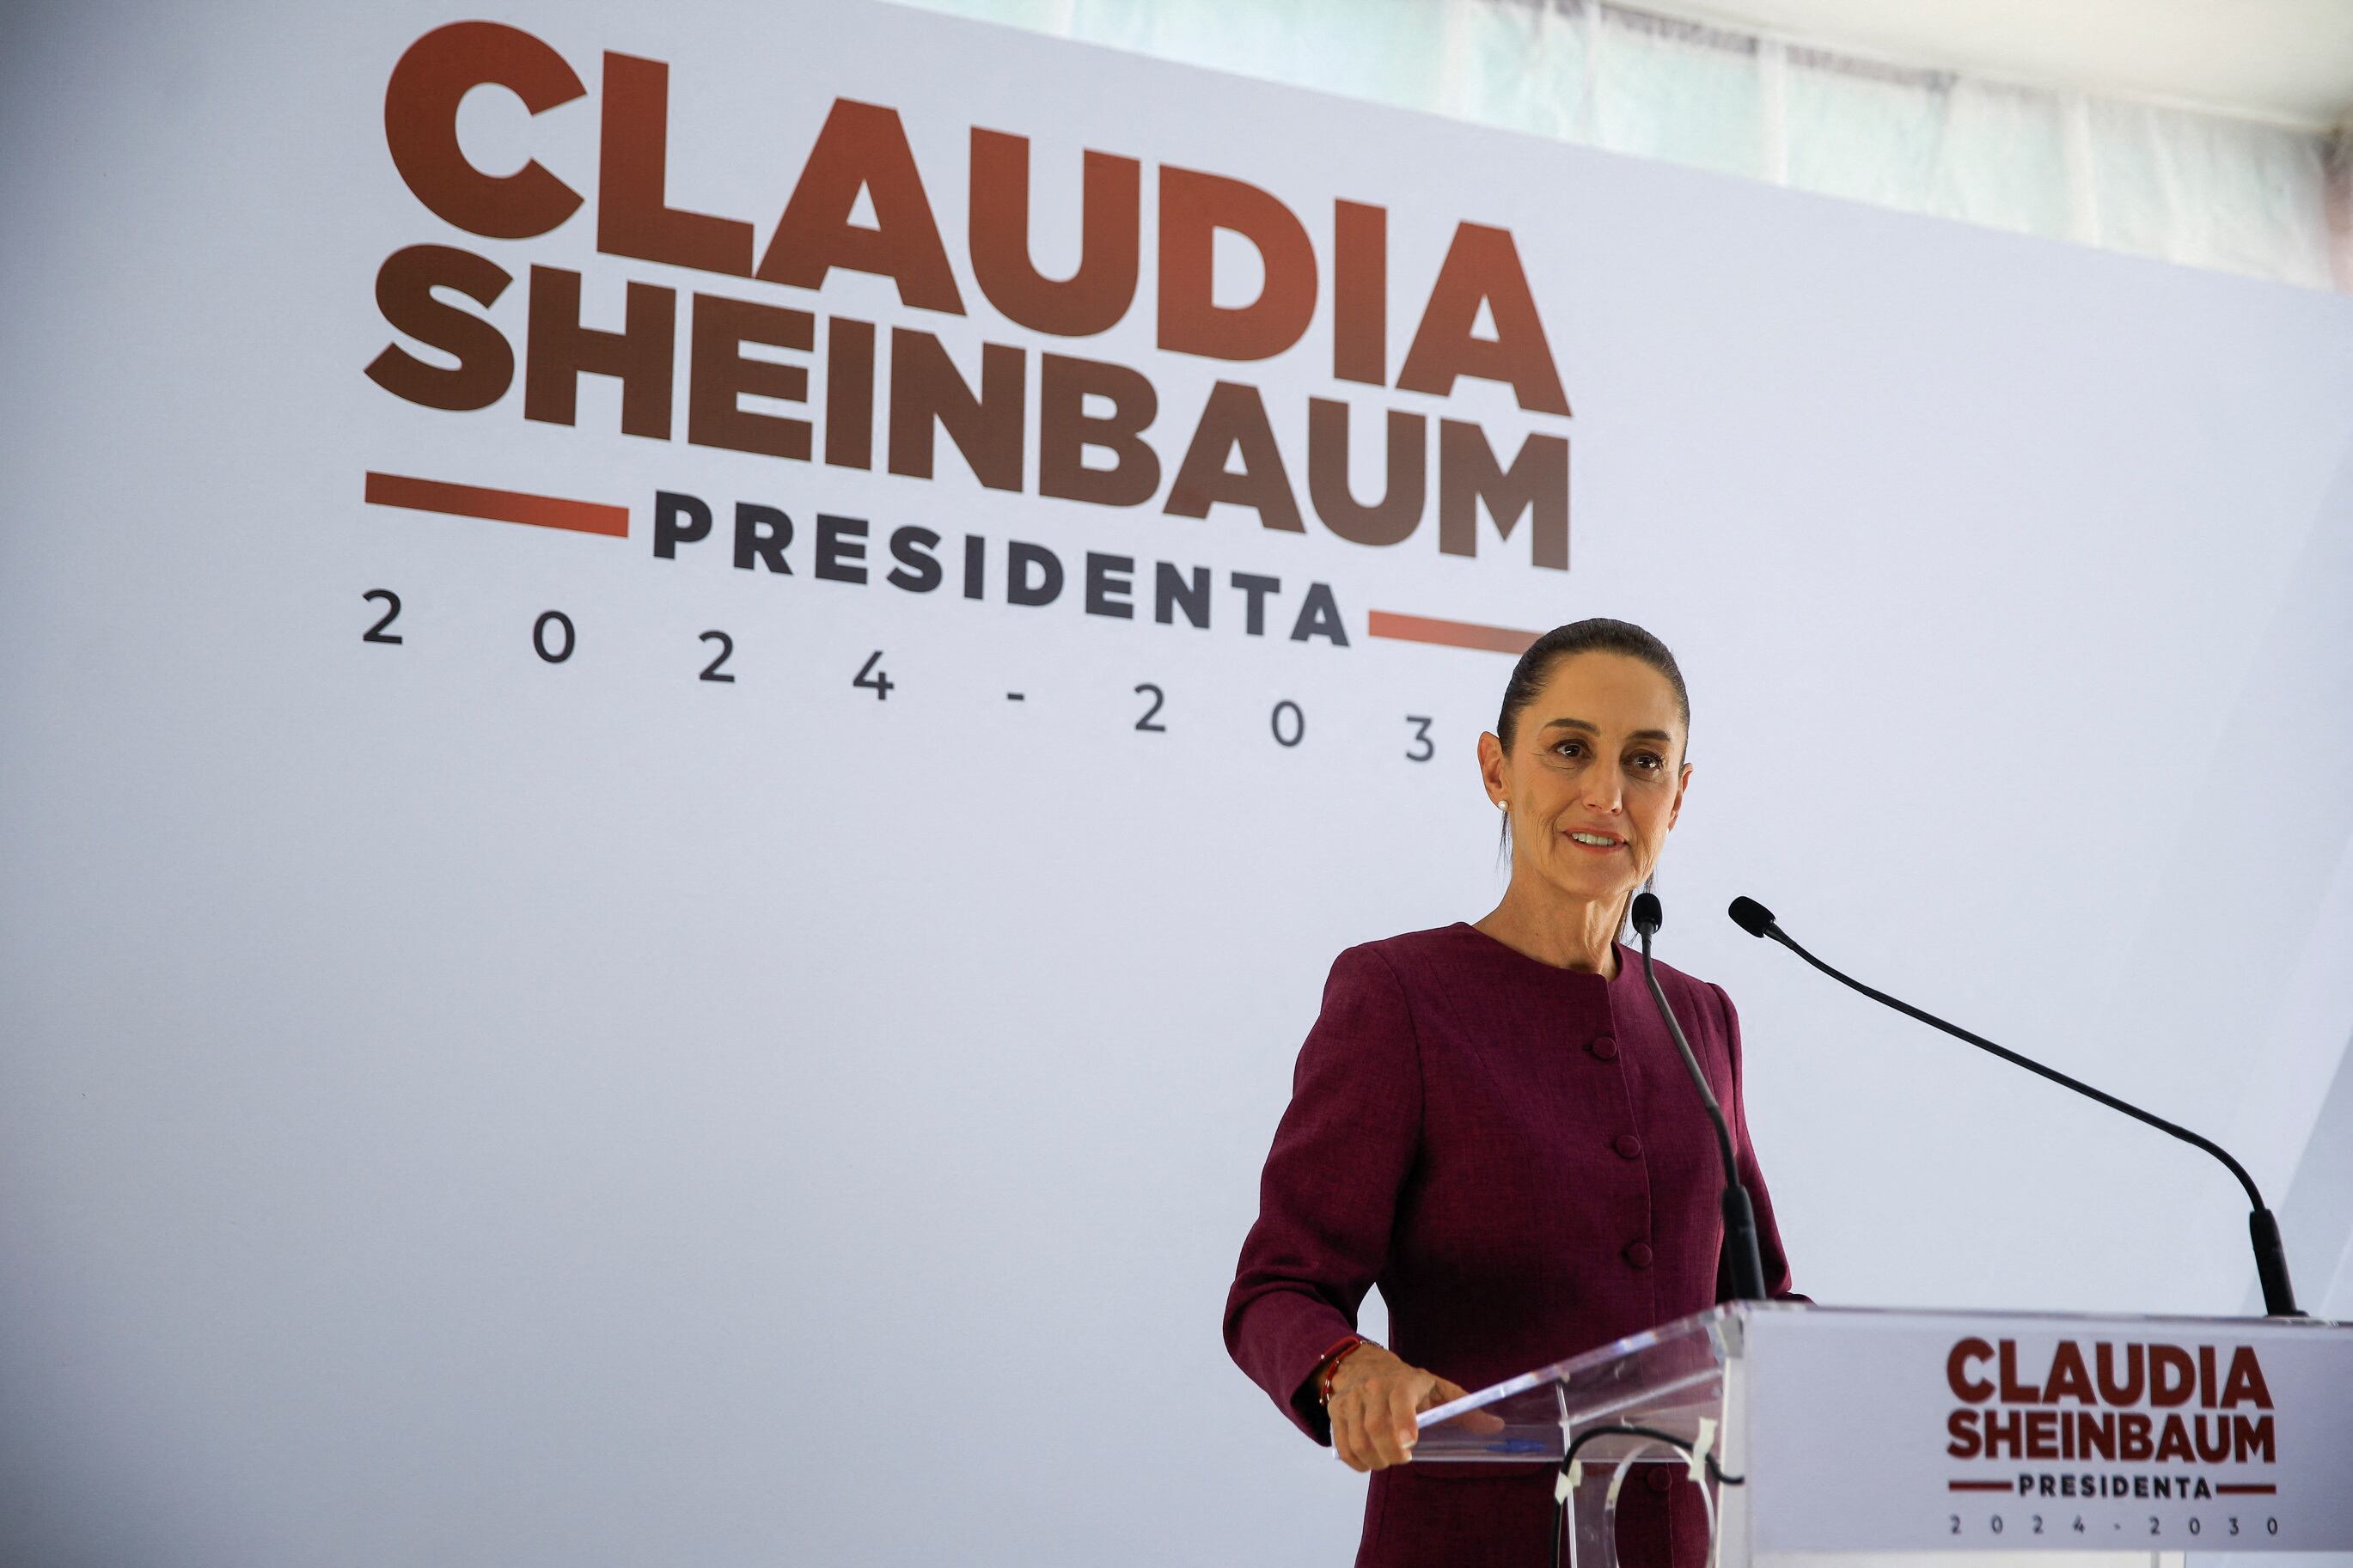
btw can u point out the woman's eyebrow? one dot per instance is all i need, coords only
(1590, 729)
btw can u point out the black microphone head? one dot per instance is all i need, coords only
(1648, 916)
(1751, 916)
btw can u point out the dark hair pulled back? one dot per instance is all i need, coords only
(1597, 635)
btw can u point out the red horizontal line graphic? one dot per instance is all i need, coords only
(1977, 1486)
(1448, 634)
(497, 506)
(2264, 1488)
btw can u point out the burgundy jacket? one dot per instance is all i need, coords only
(1513, 1153)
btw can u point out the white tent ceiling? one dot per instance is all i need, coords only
(2286, 60)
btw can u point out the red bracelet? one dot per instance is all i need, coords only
(1330, 1366)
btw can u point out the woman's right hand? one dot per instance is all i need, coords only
(1375, 1397)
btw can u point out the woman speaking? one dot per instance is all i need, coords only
(1490, 1121)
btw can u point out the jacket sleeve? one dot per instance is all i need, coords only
(1328, 1196)
(1768, 1234)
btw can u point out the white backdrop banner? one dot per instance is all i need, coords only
(693, 696)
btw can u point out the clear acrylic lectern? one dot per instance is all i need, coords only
(1866, 1436)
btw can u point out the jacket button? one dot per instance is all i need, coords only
(1604, 1046)
(1660, 1478)
(1628, 1147)
(1637, 1254)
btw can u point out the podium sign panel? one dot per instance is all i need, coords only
(1901, 1431)
(1890, 1432)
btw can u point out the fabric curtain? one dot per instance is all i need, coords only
(2203, 190)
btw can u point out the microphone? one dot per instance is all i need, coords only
(2263, 1226)
(1739, 1214)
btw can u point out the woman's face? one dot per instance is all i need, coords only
(1597, 756)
